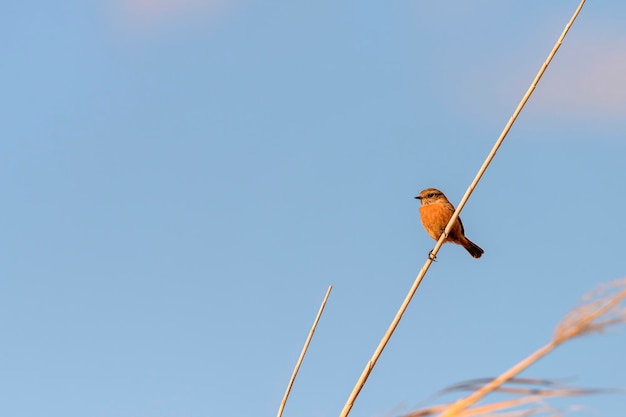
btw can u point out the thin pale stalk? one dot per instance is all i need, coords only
(478, 410)
(381, 346)
(503, 405)
(585, 323)
(304, 349)
(418, 280)
(507, 128)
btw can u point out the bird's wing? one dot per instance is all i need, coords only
(461, 223)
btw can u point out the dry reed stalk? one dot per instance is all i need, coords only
(420, 276)
(490, 409)
(581, 321)
(503, 405)
(304, 349)
(478, 410)
(508, 126)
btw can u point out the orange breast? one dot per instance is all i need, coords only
(435, 217)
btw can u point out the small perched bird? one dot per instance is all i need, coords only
(436, 212)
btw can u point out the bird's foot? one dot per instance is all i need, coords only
(432, 256)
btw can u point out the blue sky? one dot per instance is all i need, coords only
(182, 180)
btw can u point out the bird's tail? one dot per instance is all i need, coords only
(473, 248)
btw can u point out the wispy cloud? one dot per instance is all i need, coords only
(590, 78)
(587, 79)
(151, 14)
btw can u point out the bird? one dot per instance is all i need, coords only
(435, 213)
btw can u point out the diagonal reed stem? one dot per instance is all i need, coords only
(304, 349)
(396, 320)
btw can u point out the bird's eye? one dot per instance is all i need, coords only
(431, 195)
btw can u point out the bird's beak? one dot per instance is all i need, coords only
(418, 197)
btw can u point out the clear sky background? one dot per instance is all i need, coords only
(182, 180)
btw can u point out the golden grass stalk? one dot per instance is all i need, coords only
(508, 127)
(304, 349)
(420, 276)
(602, 310)
(530, 395)
(486, 409)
